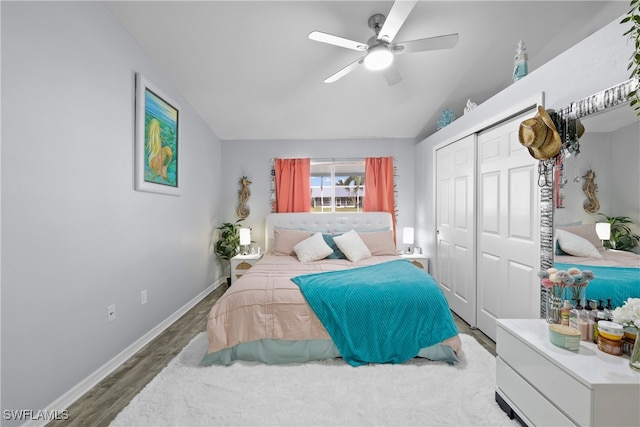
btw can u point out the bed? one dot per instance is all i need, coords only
(287, 309)
(617, 273)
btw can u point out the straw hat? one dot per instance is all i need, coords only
(540, 136)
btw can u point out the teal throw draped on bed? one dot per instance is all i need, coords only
(611, 282)
(382, 313)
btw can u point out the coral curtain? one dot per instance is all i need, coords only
(379, 186)
(293, 185)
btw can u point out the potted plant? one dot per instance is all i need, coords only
(622, 238)
(228, 245)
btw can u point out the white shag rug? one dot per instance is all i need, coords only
(326, 393)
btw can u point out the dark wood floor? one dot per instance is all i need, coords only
(100, 405)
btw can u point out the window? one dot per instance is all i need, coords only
(337, 186)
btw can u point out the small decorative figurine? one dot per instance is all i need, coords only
(470, 106)
(445, 118)
(520, 62)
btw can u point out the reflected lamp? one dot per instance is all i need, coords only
(603, 230)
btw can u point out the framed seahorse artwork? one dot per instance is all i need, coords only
(157, 140)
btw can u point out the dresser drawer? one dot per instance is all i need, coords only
(569, 395)
(526, 399)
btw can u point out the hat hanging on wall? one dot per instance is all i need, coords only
(540, 136)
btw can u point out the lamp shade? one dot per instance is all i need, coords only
(378, 57)
(245, 236)
(603, 230)
(407, 235)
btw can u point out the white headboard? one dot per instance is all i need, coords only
(326, 222)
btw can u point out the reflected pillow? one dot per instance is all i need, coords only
(586, 231)
(576, 245)
(313, 248)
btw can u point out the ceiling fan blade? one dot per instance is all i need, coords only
(346, 70)
(395, 18)
(430, 43)
(392, 75)
(337, 41)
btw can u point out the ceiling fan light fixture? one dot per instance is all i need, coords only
(378, 57)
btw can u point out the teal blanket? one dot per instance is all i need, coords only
(610, 283)
(383, 313)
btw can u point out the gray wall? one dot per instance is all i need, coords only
(596, 63)
(76, 237)
(614, 157)
(253, 158)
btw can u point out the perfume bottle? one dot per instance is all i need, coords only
(520, 68)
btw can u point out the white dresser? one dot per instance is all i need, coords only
(546, 385)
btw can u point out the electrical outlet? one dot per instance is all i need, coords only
(111, 312)
(143, 297)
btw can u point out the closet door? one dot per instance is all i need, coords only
(455, 226)
(507, 227)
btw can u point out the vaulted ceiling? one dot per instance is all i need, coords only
(249, 69)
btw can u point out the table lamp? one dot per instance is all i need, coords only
(407, 238)
(245, 239)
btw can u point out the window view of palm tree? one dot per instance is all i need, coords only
(337, 186)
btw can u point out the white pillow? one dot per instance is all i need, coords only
(312, 248)
(352, 246)
(576, 245)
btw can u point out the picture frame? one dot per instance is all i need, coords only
(157, 139)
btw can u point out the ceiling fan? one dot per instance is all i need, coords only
(380, 49)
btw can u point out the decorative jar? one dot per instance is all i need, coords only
(553, 308)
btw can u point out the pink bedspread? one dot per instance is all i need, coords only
(610, 257)
(265, 304)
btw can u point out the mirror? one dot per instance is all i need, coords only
(609, 152)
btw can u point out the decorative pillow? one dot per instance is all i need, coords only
(337, 253)
(379, 242)
(559, 250)
(352, 246)
(576, 245)
(312, 248)
(284, 240)
(586, 231)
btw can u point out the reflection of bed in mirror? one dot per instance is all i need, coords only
(610, 147)
(617, 273)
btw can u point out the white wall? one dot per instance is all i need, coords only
(76, 237)
(614, 157)
(596, 63)
(253, 159)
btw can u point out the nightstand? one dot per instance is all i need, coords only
(419, 260)
(241, 263)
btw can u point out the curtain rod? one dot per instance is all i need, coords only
(340, 159)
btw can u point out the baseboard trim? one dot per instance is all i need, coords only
(68, 398)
